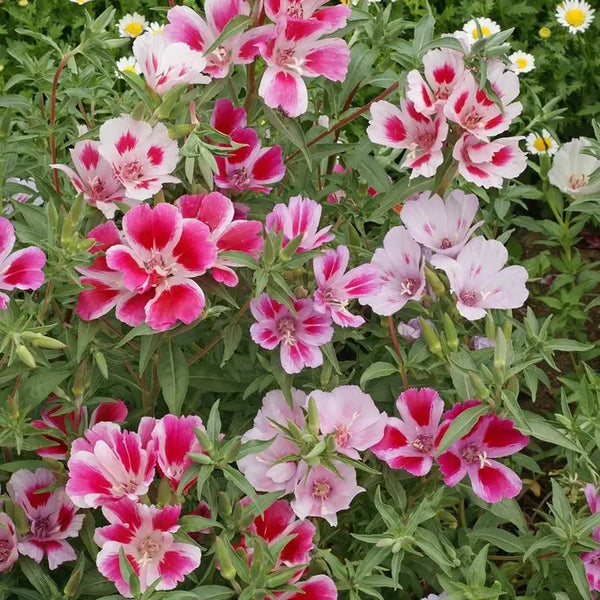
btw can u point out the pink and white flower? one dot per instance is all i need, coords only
(187, 27)
(108, 464)
(296, 51)
(480, 282)
(592, 495)
(20, 270)
(572, 169)
(490, 438)
(401, 270)
(322, 493)
(332, 17)
(591, 563)
(300, 335)
(145, 534)
(443, 69)
(142, 157)
(319, 587)
(422, 135)
(166, 66)
(160, 254)
(51, 515)
(444, 226)
(336, 287)
(22, 196)
(8, 543)
(351, 417)
(301, 216)
(487, 164)
(228, 233)
(409, 442)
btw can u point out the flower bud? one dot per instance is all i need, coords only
(313, 416)
(433, 342)
(435, 282)
(101, 363)
(544, 33)
(224, 560)
(481, 390)
(490, 327)
(25, 356)
(43, 341)
(450, 331)
(225, 507)
(72, 585)
(500, 351)
(163, 496)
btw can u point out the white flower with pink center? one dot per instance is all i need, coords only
(572, 169)
(142, 157)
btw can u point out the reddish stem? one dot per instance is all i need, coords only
(397, 350)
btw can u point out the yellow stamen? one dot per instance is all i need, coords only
(542, 144)
(134, 29)
(521, 63)
(575, 17)
(484, 30)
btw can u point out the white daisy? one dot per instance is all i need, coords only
(487, 26)
(128, 63)
(155, 28)
(572, 169)
(575, 15)
(522, 62)
(80, 1)
(541, 143)
(132, 25)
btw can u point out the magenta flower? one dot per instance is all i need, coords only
(491, 437)
(145, 534)
(107, 465)
(94, 178)
(300, 217)
(297, 51)
(228, 233)
(51, 515)
(300, 334)
(443, 69)
(409, 442)
(191, 29)
(480, 282)
(172, 439)
(332, 17)
(166, 66)
(592, 495)
(142, 157)
(21, 269)
(8, 543)
(401, 271)
(322, 493)
(487, 163)
(319, 587)
(423, 136)
(336, 287)
(591, 563)
(411, 330)
(444, 226)
(351, 417)
(160, 254)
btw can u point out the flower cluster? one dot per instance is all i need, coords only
(591, 560)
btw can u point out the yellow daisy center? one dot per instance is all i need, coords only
(129, 68)
(134, 29)
(542, 144)
(521, 63)
(575, 17)
(484, 30)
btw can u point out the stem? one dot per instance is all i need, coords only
(397, 350)
(84, 115)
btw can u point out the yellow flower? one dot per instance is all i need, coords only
(575, 15)
(545, 33)
(487, 26)
(132, 25)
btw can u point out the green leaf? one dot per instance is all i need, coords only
(291, 130)
(38, 579)
(173, 376)
(540, 428)
(376, 371)
(232, 336)
(206, 592)
(577, 570)
(461, 426)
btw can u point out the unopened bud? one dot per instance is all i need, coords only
(481, 390)
(545, 33)
(431, 338)
(500, 351)
(490, 327)
(317, 450)
(313, 416)
(434, 282)
(163, 496)
(225, 507)
(450, 331)
(101, 363)
(72, 585)
(232, 452)
(43, 341)
(25, 356)
(290, 248)
(224, 560)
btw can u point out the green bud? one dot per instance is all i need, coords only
(224, 560)
(25, 356)
(202, 459)
(179, 131)
(317, 450)
(490, 327)
(204, 440)
(72, 585)
(101, 363)
(43, 341)
(450, 331)
(163, 496)
(431, 338)
(286, 253)
(232, 452)
(500, 351)
(12, 406)
(435, 282)
(385, 543)
(225, 507)
(507, 327)
(79, 383)
(313, 416)
(397, 547)
(481, 390)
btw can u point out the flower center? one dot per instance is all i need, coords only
(472, 118)
(295, 9)
(521, 63)
(148, 548)
(130, 171)
(409, 286)
(96, 187)
(423, 443)
(127, 487)
(425, 140)
(576, 182)
(42, 527)
(321, 490)
(239, 177)
(575, 17)
(596, 559)
(472, 453)
(5, 550)
(342, 435)
(469, 298)
(220, 55)
(542, 144)
(445, 244)
(485, 31)
(287, 328)
(286, 59)
(134, 29)
(443, 92)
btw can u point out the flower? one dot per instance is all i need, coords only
(575, 15)
(479, 342)
(132, 25)
(294, 52)
(544, 33)
(108, 464)
(128, 63)
(264, 470)
(156, 28)
(319, 587)
(227, 232)
(487, 163)
(491, 437)
(592, 495)
(322, 493)
(188, 27)
(81, 1)
(336, 287)
(23, 196)
(479, 281)
(141, 156)
(522, 62)
(8, 543)
(332, 17)
(160, 253)
(444, 226)
(401, 271)
(541, 143)
(51, 515)
(300, 335)
(411, 330)
(591, 563)
(423, 136)
(443, 68)
(145, 535)
(166, 66)
(409, 442)
(351, 417)
(95, 179)
(571, 169)
(21, 269)
(301, 216)
(487, 26)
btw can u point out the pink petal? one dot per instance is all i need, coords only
(283, 90)
(178, 302)
(495, 481)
